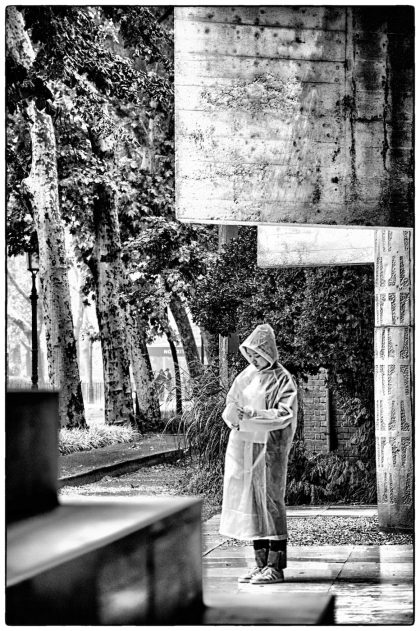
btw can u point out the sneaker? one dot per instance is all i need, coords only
(256, 571)
(268, 575)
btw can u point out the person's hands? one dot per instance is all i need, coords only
(236, 425)
(249, 411)
(246, 411)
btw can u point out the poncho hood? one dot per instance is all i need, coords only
(262, 340)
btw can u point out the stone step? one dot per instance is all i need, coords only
(115, 561)
(264, 609)
(106, 561)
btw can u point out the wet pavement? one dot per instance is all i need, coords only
(373, 585)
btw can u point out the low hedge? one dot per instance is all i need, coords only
(95, 436)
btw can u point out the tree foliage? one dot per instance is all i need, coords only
(105, 75)
(109, 75)
(322, 317)
(71, 43)
(165, 258)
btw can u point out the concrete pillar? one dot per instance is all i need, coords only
(394, 377)
(32, 422)
(226, 344)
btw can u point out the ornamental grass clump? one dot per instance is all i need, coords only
(205, 432)
(201, 423)
(72, 440)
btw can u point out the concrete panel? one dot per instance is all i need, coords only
(113, 561)
(330, 18)
(287, 246)
(294, 115)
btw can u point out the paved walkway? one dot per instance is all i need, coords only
(373, 585)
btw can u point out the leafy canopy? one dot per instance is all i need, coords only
(322, 317)
(105, 75)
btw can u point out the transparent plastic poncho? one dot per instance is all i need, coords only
(259, 444)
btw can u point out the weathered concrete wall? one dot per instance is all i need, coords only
(301, 246)
(394, 420)
(294, 114)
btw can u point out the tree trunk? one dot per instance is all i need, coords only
(43, 186)
(42, 359)
(41, 364)
(148, 402)
(211, 346)
(192, 356)
(61, 346)
(79, 318)
(107, 271)
(90, 395)
(77, 277)
(178, 391)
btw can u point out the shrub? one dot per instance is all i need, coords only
(356, 413)
(206, 480)
(322, 316)
(71, 440)
(312, 478)
(332, 478)
(320, 478)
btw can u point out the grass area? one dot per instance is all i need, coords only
(72, 440)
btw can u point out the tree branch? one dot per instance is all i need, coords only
(25, 345)
(17, 287)
(165, 15)
(20, 323)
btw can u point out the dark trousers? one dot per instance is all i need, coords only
(277, 545)
(273, 545)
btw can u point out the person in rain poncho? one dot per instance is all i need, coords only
(261, 410)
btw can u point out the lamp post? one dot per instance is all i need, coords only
(33, 267)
